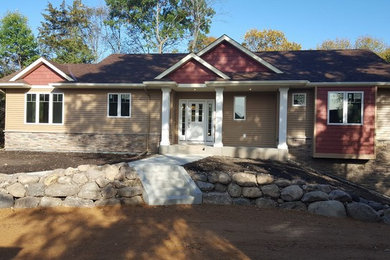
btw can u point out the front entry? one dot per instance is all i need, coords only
(196, 123)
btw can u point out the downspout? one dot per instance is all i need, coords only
(148, 120)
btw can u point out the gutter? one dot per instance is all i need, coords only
(14, 85)
(96, 85)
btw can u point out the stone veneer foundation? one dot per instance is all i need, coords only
(69, 142)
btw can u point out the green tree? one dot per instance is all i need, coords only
(202, 42)
(337, 44)
(64, 33)
(153, 25)
(18, 46)
(268, 40)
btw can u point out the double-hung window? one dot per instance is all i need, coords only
(44, 108)
(345, 107)
(239, 108)
(119, 105)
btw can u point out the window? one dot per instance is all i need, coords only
(119, 105)
(239, 108)
(345, 108)
(44, 108)
(299, 99)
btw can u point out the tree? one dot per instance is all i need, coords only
(202, 42)
(153, 25)
(18, 46)
(64, 34)
(199, 13)
(268, 40)
(338, 44)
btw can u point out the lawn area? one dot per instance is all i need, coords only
(20, 161)
(186, 232)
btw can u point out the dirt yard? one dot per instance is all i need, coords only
(13, 162)
(185, 232)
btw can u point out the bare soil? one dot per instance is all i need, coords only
(20, 161)
(186, 232)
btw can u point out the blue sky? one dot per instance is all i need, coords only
(308, 22)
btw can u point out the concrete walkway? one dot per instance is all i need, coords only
(165, 181)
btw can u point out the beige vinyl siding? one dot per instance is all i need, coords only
(85, 111)
(300, 118)
(383, 114)
(259, 125)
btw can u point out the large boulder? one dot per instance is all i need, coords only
(271, 190)
(64, 180)
(17, 190)
(264, 178)
(50, 202)
(386, 216)
(282, 183)
(220, 187)
(266, 203)
(234, 190)
(224, 178)
(245, 179)
(340, 196)
(362, 211)
(27, 202)
(26, 179)
(61, 190)
(330, 208)
(315, 196)
(108, 202)
(108, 192)
(136, 200)
(129, 192)
(6, 200)
(35, 189)
(292, 193)
(80, 178)
(77, 202)
(251, 192)
(113, 173)
(217, 198)
(241, 201)
(90, 191)
(293, 205)
(213, 177)
(205, 186)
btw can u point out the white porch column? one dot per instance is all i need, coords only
(283, 105)
(165, 108)
(218, 117)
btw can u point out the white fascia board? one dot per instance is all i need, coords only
(36, 63)
(164, 84)
(349, 84)
(198, 59)
(258, 83)
(97, 85)
(14, 85)
(241, 48)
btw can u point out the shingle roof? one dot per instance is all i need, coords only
(312, 65)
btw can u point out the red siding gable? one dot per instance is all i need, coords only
(345, 139)
(228, 58)
(192, 72)
(42, 75)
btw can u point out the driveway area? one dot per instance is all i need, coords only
(186, 232)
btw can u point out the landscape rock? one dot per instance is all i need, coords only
(80, 178)
(324, 188)
(266, 203)
(61, 190)
(70, 171)
(205, 186)
(108, 202)
(26, 179)
(6, 200)
(386, 216)
(245, 179)
(340, 196)
(131, 174)
(136, 200)
(130, 191)
(330, 208)
(315, 196)
(251, 192)
(112, 173)
(17, 190)
(51, 179)
(282, 183)
(241, 201)
(292, 193)
(271, 190)
(263, 178)
(298, 182)
(294, 205)
(64, 180)
(102, 181)
(220, 187)
(217, 198)
(27, 202)
(35, 189)
(213, 177)
(362, 211)
(199, 177)
(234, 190)
(89, 191)
(50, 202)
(93, 174)
(85, 167)
(224, 178)
(375, 205)
(108, 192)
(77, 202)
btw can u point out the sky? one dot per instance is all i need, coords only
(308, 22)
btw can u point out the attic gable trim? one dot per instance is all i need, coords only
(241, 48)
(198, 59)
(35, 64)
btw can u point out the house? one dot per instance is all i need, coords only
(331, 104)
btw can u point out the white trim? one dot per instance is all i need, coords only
(96, 85)
(14, 85)
(192, 85)
(283, 108)
(241, 48)
(298, 105)
(119, 107)
(35, 64)
(300, 83)
(234, 108)
(218, 117)
(37, 108)
(198, 59)
(348, 83)
(345, 108)
(165, 111)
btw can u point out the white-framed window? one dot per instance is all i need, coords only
(239, 108)
(345, 107)
(119, 105)
(44, 108)
(299, 99)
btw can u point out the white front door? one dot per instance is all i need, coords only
(196, 121)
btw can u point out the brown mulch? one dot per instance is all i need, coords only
(284, 170)
(186, 232)
(20, 161)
